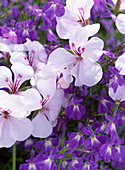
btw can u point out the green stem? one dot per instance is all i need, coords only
(59, 164)
(14, 157)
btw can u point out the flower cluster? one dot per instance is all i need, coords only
(62, 83)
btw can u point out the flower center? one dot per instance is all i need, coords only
(5, 112)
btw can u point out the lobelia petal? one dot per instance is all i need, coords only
(42, 128)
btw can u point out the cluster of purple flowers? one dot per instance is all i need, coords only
(62, 83)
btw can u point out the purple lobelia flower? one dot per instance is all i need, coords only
(95, 141)
(46, 145)
(54, 8)
(111, 127)
(76, 139)
(104, 102)
(31, 164)
(107, 150)
(47, 162)
(76, 110)
(87, 166)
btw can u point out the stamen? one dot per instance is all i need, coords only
(45, 100)
(5, 113)
(75, 50)
(16, 85)
(9, 83)
(81, 12)
(31, 58)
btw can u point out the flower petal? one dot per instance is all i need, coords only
(41, 126)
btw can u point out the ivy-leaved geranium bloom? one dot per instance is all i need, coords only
(76, 15)
(21, 74)
(13, 122)
(82, 64)
(120, 23)
(48, 111)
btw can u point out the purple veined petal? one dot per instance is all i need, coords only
(79, 38)
(75, 5)
(93, 49)
(54, 105)
(16, 106)
(75, 73)
(4, 97)
(90, 75)
(19, 57)
(38, 49)
(32, 99)
(120, 23)
(59, 10)
(119, 64)
(60, 58)
(67, 75)
(43, 85)
(41, 126)
(6, 78)
(20, 129)
(6, 139)
(65, 27)
(21, 74)
(119, 95)
(87, 9)
(92, 29)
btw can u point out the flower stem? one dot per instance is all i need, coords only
(14, 157)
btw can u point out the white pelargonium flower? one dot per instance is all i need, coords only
(83, 63)
(76, 15)
(37, 55)
(14, 126)
(48, 110)
(21, 74)
(120, 23)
